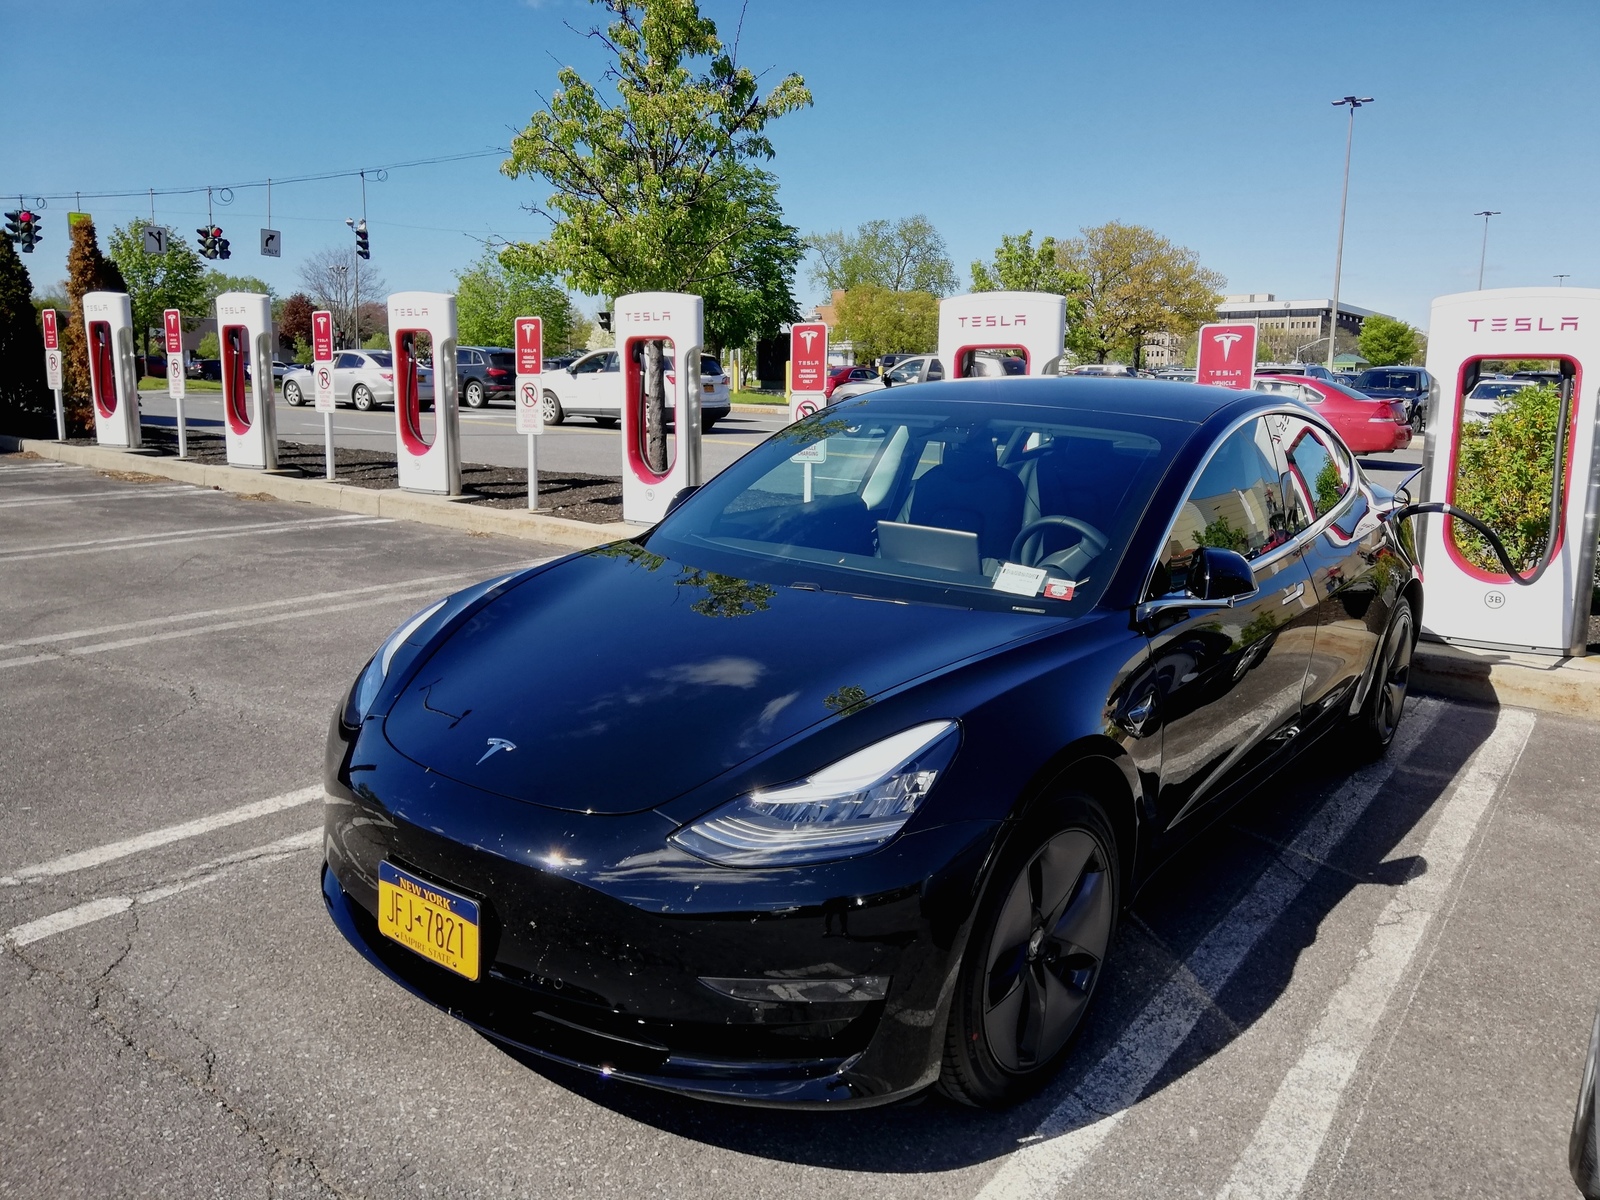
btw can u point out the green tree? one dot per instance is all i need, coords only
(292, 321)
(87, 271)
(25, 404)
(490, 296)
(1385, 341)
(209, 347)
(156, 282)
(879, 321)
(907, 255)
(1020, 266)
(1504, 474)
(215, 283)
(1134, 282)
(653, 192)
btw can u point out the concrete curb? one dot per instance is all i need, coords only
(1569, 687)
(407, 506)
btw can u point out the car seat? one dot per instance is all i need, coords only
(970, 491)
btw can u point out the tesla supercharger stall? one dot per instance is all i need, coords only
(1033, 322)
(1467, 603)
(677, 320)
(426, 466)
(113, 384)
(249, 411)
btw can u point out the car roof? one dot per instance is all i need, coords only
(1188, 402)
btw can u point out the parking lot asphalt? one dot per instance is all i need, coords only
(1367, 980)
(488, 435)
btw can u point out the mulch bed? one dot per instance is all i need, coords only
(571, 494)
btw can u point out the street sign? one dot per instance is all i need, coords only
(52, 370)
(155, 239)
(807, 407)
(808, 354)
(530, 370)
(322, 336)
(271, 243)
(1227, 355)
(52, 334)
(177, 381)
(323, 373)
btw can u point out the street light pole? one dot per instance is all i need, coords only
(1484, 253)
(1354, 102)
(1561, 280)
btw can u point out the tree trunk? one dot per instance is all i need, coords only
(655, 409)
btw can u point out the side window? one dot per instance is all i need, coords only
(935, 370)
(1236, 504)
(612, 363)
(590, 365)
(349, 361)
(1316, 475)
(907, 371)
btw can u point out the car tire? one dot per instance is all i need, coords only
(361, 397)
(292, 395)
(1037, 950)
(473, 394)
(554, 414)
(1381, 712)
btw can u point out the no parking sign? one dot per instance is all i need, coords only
(322, 358)
(808, 406)
(530, 369)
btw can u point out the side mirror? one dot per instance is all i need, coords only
(1221, 575)
(682, 495)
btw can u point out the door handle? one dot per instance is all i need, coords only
(1293, 594)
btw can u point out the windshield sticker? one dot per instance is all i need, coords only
(1061, 589)
(817, 452)
(1018, 579)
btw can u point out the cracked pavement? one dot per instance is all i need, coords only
(178, 1016)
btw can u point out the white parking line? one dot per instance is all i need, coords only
(396, 587)
(133, 492)
(219, 627)
(1280, 1156)
(1087, 1115)
(109, 906)
(83, 860)
(184, 537)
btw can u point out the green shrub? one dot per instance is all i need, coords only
(1503, 477)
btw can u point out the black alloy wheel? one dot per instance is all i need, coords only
(474, 395)
(291, 394)
(1036, 954)
(361, 397)
(1386, 698)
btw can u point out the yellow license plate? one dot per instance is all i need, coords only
(425, 918)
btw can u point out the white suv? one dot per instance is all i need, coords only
(922, 368)
(592, 387)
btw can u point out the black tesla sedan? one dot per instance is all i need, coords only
(832, 785)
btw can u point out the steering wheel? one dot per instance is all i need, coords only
(1089, 547)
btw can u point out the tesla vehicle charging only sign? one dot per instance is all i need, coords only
(530, 366)
(172, 326)
(322, 358)
(808, 368)
(52, 349)
(1227, 356)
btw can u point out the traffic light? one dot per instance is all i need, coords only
(363, 250)
(604, 317)
(30, 231)
(220, 242)
(14, 225)
(208, 242)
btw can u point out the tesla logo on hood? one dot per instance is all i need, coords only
(1226, 341)
(494, 745)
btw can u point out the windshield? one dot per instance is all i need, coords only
(980, 504)
(1494, 391)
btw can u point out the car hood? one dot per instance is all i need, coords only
(619, 679)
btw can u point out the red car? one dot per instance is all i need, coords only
(838, 375)
(1368, 426)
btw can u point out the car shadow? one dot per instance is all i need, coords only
(1169, 918)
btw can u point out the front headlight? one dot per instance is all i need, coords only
(372, 676)
(851, 807)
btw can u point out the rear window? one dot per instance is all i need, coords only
(502, 359)
(710, 366)
(382, 357)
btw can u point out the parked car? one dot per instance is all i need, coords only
(1178, 374)
(485, 373)
(1313, 370)
(152, 366)
(560, 362)
(851, 374)
(996, 653)
(1367, 426)
(280, 371)
(1488, 395)
(1409, 385)
(204, 368)
(361, 378)
(1110, 370)
(915, 368)
(1552, 378)
(592, 387)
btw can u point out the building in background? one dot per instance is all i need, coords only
(1162, 350)
(1310, 318)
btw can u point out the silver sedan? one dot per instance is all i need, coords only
(363, 378)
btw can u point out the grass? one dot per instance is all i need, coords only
(158, 383)
(741, 397)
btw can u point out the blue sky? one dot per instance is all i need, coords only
(1210, 122)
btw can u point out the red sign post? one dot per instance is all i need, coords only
(529, 338)
(808, 368)
(52, 367)
(1227, 356)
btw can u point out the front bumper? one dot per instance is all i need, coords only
(597, 961)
